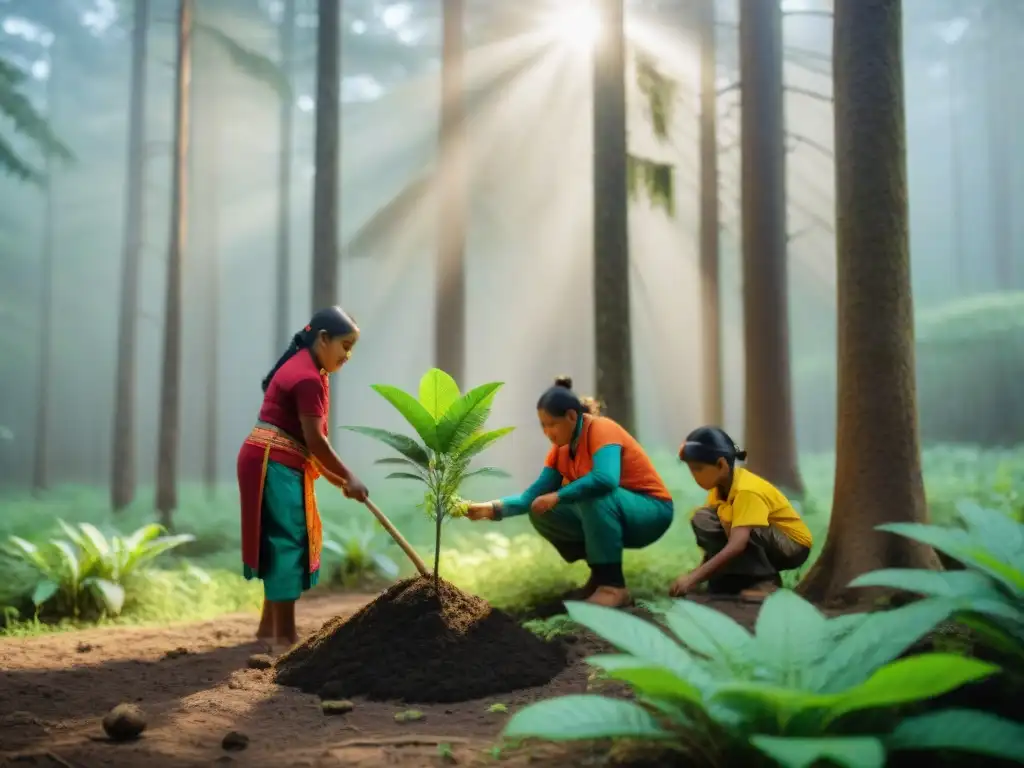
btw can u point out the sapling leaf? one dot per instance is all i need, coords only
(963, 730)
(486, 472)
(478, 442)
(406, 476)
(438, 391)
(465, 416)
(578, 717)
(915, 678)
(635, 636)
(405, 445)
(413, 411)
(849, 751)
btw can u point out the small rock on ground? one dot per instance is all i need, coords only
(337, 707)
(234, 741)
(124, 722)
(260, 661)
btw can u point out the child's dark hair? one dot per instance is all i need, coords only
(706, 445)
(333, 321)
(559, 399)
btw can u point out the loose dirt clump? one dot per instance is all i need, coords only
(413, 644)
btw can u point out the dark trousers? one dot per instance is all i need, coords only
(768, 552)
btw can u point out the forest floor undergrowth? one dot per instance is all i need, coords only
(194, 684)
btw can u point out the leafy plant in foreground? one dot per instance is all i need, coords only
(87, 571)
(788, 690)
(988, 596)
(451, 426)
(360, 548)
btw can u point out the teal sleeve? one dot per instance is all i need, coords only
(549, 481)
(601, 479)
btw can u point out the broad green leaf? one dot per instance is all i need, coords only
(929, 583)
(150, 550)
(69, 561)
(44, 591)
(332, 546)
(788, 635)
(438, 391)
(572, 718)
(406, 476)
(73, 534)
(963, 730)
(657, 683)
(962, 545)
(97, 541)
(878, 639)
(713, 635)
(406, 446)
(611, 662)
(139, 537)
(486, 472)
(465, 416)
(635, 636)
(478, 442)
(397, 461)
(1002, 537)
(1008, 640)
(915, 678)
(28, 552)
(847, 751)
(412, 411)
(109, 595)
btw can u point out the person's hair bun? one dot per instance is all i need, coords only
(741, 455)
(565, 382)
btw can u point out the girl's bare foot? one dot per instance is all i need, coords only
(611, 597)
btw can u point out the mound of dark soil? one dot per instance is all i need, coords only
(412, 644)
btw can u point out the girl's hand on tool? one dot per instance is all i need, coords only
(354, 489)
(480, 511)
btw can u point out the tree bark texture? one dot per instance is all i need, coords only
(450, 276)
(123, 475)
(769, 434)
(327, 152)
(613, 351)
(878, 457)
(170, 386)
(286, 123)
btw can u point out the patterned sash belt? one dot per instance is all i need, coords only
(272, 438)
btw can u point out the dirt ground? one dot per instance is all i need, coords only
(194, 685)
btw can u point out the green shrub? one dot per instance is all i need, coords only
(86, 573)
(970, 362)
(358, 553)
(988, 596)
(796, 690)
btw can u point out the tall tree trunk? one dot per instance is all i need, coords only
(1000, 155)
(769, 434)
(450, 290)
(211, 251)
(878, 456)
(122, 480)
(282, 333)
(327, 156)
(613, 351)
(170, 385)
(714, 408)
(40, 469)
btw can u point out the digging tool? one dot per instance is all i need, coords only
(399, 539)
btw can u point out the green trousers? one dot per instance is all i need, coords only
(598, 530)
(284, 542)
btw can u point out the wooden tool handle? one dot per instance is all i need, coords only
(398, 537)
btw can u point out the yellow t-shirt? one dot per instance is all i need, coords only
(754, 502)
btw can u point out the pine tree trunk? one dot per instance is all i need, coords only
(211, 251)
(327, 157)
(122, 481)
(40, 469)
(711, 315)
(170, 388)
(450, 287)
(282, 332)
(613, 352)
(769, 434)
(878, 461)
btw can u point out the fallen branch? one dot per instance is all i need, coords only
(401, 741)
